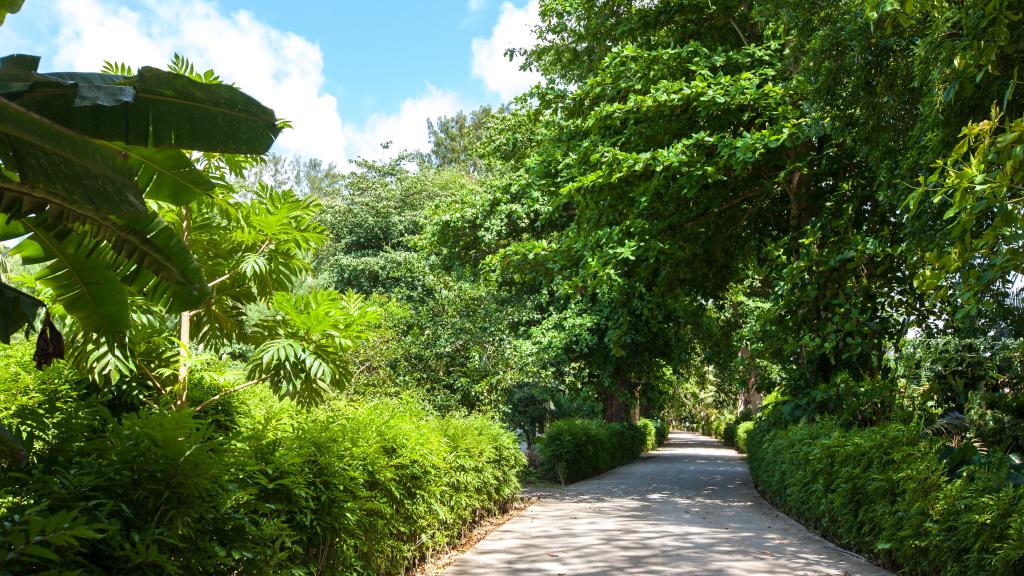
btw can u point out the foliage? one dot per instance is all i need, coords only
(373, 216)
(343, 488)
(653, 432)
(702, 202)
(308, 340)
(574, 449)
(368, 488)
(454, 140)
(100, 240)
(457, 348)
(529, 407)
(883, 491)
(9, 7)
(943, 372)
(742, 432)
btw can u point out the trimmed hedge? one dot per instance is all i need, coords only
(742, 432)
(345, 488)
(661, 431)
(884, 492)
(575, 448)
(650, 433)
(375, 486)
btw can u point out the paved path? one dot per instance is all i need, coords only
(687, 508)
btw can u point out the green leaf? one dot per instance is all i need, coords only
(17, 310)
(9, 7)
(154, 108)
(166, 175)
(40, 552)
(84, 285)
(152, 257)
(61, 167)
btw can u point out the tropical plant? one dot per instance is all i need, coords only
(308, 340)
(82, 154)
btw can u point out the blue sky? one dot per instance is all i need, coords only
(348, 74)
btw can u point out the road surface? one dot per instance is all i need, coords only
(687, 508)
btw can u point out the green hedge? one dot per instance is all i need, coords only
(884, 492)
(346, 488)
(661, 431)
(650, 432)
(742, 433)
(574, 448)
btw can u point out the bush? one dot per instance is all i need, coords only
(368, 487)
(662, 431)
(726, 428)
(884, 492)
(650, 433)
(345, 488)
(576, 448)
(742, 431)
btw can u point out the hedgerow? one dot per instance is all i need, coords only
(742, 433)
(575, 448)
(348, 487)
(884, 492)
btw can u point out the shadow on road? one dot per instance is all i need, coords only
(687, 508)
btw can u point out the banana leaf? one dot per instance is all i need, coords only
(17, 310)
(62, 167)
(154, 108)
(9, 7)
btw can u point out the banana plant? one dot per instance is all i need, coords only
(9, 7)
(80, 156)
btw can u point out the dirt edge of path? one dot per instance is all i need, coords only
(437, 563)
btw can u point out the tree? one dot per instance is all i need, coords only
(454, 140)
(83, 153)
(373, 215)
(672, 155)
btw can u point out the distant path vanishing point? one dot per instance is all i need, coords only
(687, 508)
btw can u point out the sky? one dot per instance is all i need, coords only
(349, 75)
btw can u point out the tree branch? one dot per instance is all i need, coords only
(231, 391)
(712, 211)
(740, 32)
(262, 249)
(152, 379)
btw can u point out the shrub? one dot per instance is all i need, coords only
(742, 431)
(372, 487)
(650, 433)
(576, 448)
(715, 428)
(156, 486)
(884, 492)
(729, 433)
(661, 429)
(345, 488)
(729, 427)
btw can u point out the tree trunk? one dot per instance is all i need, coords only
(750, 398)
(185, 335)
(634, 413)
(621, 401)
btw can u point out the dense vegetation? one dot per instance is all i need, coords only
(576, 448)
(701, 205)
(882, 490)
(259, 485)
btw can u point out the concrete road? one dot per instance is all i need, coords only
(687, 508)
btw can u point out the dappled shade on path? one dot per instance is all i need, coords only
(687, 508)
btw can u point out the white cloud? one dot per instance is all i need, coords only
(476, 5)
(513, 30)
(281, 69)
(407, 129)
